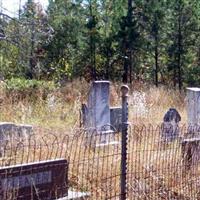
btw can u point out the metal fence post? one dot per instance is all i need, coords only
(124, 91)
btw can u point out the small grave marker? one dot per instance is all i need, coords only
(170, 128)
(45, 180)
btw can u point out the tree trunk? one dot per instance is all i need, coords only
(107, 66)
(174, 79)
(125, 74)
(129, 47)
(31, 59)
(179, 48)
(130, 67)
(156, 47)
(156, 62)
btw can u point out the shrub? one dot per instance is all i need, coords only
(32, 88)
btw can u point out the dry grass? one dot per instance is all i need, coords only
(150, 105)
(61, 108)
(152, 166)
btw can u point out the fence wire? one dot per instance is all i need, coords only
(157, 168)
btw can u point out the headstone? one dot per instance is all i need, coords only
(170, 127)
(116, 118)
(6, 130)
(97, 117)
(84, 115)
(98, 105)
(9, 129)
(193, 106)
(190, 152)
(45, 180)
(97, 114)
(12, 132)
(24, 130)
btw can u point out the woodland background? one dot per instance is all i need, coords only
(150, 41)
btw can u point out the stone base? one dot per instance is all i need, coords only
(107, 144)
(72, 195)
(101, 139)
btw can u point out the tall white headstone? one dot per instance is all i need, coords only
(193, 106)
(98, 105)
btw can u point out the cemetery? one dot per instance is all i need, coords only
(99, 100)
(56, 165)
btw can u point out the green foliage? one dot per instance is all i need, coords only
(148, 40)
(21, 85)
(192, 76)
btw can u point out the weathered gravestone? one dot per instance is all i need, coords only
(193, 106)
(98, 105)
(45, 180)
(116, 118)
(10, 132)
(191, 145)
(97, 115)
(170, 127)
(190, 152)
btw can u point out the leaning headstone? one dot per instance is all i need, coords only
(170, 127)
(193, 106)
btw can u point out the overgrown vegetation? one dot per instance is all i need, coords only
(152, 41)
(47, 59)
(60, 107)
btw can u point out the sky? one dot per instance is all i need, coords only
(11, 7)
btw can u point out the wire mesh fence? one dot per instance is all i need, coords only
(156, 168)
(93, 166)
(160, 168)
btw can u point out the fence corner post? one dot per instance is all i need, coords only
(124, 141)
